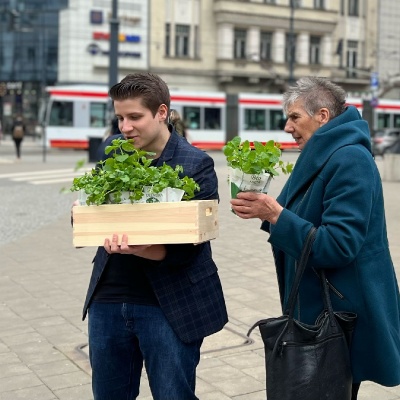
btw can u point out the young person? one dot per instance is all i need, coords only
(153, 304)
(177, 123)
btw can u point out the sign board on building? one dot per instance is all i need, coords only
(96, 17)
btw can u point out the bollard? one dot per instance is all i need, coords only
(94, 143)
(391, 162)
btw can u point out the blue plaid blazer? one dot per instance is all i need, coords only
(186, 282)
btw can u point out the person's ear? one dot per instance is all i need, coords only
(323, 116)
(163, 112)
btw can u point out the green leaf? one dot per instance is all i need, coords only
(234, 190)
(262, 158)
(129, 169)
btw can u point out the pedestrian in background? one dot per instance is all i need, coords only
(335, 186)
(178, 124)
(18, 133)
(111, 131)
(153, 305)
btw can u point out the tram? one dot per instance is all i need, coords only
(75, 113)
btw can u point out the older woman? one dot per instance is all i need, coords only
(335, 186)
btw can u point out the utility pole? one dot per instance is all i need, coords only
(43, 87)
(114, 28)
(291, 43)
(113, 56)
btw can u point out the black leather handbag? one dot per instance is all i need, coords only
(308, 362)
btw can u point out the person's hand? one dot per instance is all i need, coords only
(112, 246)
(256, 205)
(75, 203)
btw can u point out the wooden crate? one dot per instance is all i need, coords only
(193, 221)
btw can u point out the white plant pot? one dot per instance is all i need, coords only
(82, 197)
(241, 182)
(167, 195)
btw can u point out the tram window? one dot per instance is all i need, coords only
(98, 115)
(212, 118)
(396, 121)
(61, 113)
(277, 120)
(383, 120)
(254, 120)
(191, 116)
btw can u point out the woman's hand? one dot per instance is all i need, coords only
(256, 205)
(155, 252)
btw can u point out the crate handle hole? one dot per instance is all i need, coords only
(209, 211)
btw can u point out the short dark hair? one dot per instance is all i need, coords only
(150, 88)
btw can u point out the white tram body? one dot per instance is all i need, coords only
(75, 113)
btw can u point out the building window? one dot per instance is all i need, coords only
(315, 50)
(31, 54)
(353, 8)
(290, 47)
(319, 4)
(352, 47)
(52, 56)
(239, 51)
(182, 33)
(296, 3)
(270, 1)
(266, 46)
(196, 42)
(167, 39)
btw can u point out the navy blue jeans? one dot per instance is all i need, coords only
(123, 336)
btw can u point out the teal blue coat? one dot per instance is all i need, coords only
(336, 187)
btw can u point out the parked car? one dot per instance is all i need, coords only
(384, 139)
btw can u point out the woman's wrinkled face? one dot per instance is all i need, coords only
(300, 124)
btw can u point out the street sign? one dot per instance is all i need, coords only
(374, 102)
(374, 83)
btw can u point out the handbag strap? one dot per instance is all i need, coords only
(326, 296)
(299, 271)
(296, 285)
(299, 274)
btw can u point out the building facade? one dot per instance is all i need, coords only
(84, 43)
(262, 45)
(388, 48)
(210, 45)
(28, 56)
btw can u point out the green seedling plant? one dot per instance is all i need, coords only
(129, 170)
(260, 159)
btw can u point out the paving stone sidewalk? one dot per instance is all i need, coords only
(43, 282)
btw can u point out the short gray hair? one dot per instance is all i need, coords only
(316, 93)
